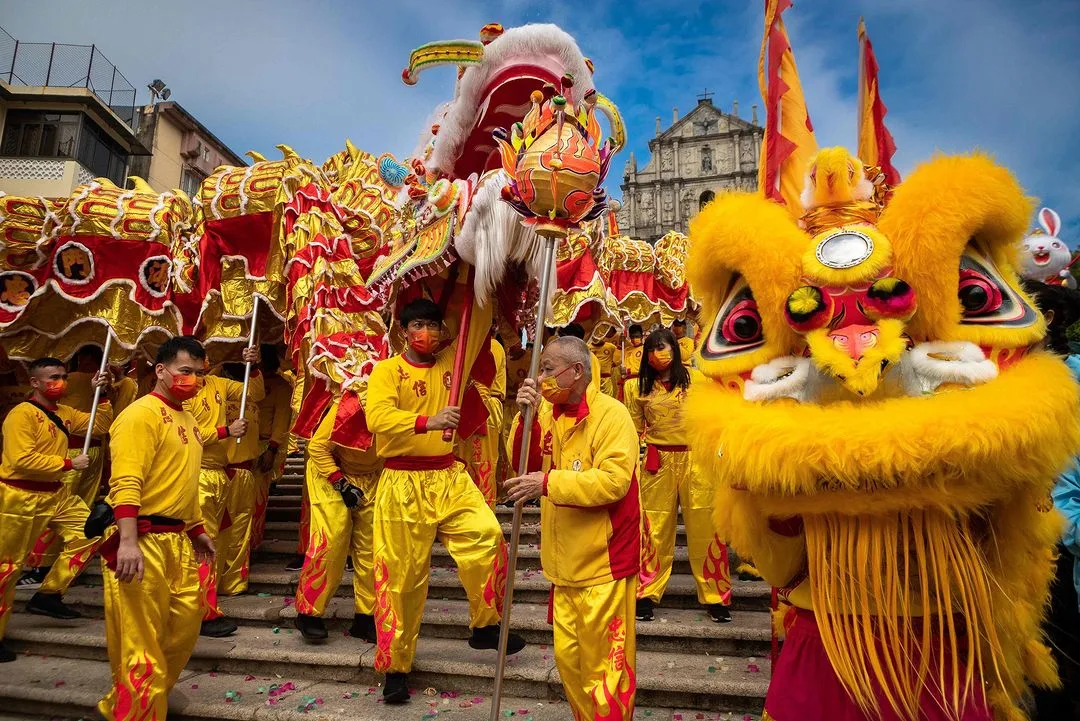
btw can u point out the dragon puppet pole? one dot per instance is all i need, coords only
(523, 467)
(97, 391)
(247, 366)
(459, 355)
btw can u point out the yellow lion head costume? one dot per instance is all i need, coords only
(882, 424)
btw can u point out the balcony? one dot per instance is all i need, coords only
(58, 65)
(42, 177)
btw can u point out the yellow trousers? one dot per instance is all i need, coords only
(675, 485)
(234, 545)
(263, 481)
(305, 522)
(151, 628)
(337, 532)
(83, 484)
(24, 515)
(607, 385)
(595, 648)
(412, 509)
(481, 453)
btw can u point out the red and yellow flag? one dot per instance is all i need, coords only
(789, 141)
(876, 146)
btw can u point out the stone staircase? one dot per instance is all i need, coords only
(688, 668)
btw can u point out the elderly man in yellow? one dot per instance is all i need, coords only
(341, 478)
(275, 422)
(480, 451)
(668, 483)
(585, 472)
(219, 496)
(424, 493)
(686, 343)
(151, 573)
(32, 497)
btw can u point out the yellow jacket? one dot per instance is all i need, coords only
(35, 449)
(686, 349)
(590, 511)
(658, 416)
(209, 409)
(401, 397)
(331, 461)
(632, 361)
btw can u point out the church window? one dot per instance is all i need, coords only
(706, 198)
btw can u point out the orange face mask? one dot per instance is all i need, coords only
(423, 342)
(55, 390)
(183, 387)
(551, 390)
(660, 360)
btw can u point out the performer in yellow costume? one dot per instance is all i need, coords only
(234, 541)
(669, 483)
(275, 422)
(32, 496)
(607, 355)
(583, 463)
(686, 343)
(480, 451)
(425, 493)
(152, 606)
(219, 497)
(631, 359)
(341, 482)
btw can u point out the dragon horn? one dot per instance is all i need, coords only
(444, 52)
(618, 127)
(140, 185)
(287, 153)
(256, 156)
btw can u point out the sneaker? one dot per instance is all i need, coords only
(363, 627)
(348, 564)
(644, 609)
(296, 564)
(51, 604)
(396, 688)
(487, 637)
(32, 579)
(218, 628)
(6, 654)
(718, 613)
(312, 628)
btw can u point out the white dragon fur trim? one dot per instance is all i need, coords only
(964, 363)
(786, 377)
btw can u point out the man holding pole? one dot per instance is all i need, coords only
(583, 466)
(424, 493)
(215, 488)
(32, 497)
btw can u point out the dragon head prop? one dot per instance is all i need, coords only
(882, 423)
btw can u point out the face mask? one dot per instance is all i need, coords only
(636, 342)
(55, 390)
(551, 390)
(183, 387)
(423, 342)
(660, 360)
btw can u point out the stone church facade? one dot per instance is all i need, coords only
(701, 154)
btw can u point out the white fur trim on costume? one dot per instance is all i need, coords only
(786, 377)
(540, 44)
(966, 364)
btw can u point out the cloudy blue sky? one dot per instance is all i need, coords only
(1001, 75)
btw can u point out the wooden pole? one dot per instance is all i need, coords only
(523, 467)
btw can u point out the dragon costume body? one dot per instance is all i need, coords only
(884, 429)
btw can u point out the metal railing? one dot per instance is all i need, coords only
(67, 66)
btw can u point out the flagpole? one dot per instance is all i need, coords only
(247, 366)
(458, 379)
(97, 391)
(523, 467)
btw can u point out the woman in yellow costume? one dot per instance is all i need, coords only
(884, 431)
(668, 484)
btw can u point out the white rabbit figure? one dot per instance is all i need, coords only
(1046, 257)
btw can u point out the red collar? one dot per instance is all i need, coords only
(668, 385)
(166, 401)
(417, 365)
(47, 405)
(578, 412)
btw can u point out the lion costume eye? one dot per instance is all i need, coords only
(986, 298)
(737, 327)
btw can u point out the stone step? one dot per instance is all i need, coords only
(530, 586)
(681, 630)
(664, 679)
(66, 689)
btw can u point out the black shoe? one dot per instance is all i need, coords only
(218, 628)
(396, 688)
(644, 609)
(312, 628)
(718, 613)
(51, 604)
(348, 564)
(31, 580)
(487, 637)
(6, 654)
(363, 627)
(296, 564)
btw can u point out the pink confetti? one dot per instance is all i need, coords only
(478, 699)
(194, 685)
(249, 677)
(677, 717)
(59, 684)
(753, 668)
(213, 674)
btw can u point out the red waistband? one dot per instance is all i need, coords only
(242, 466)
(38, 486)
(145, 525)
(605, 375)
(80, 441)
(420, 463)
(669, 449)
